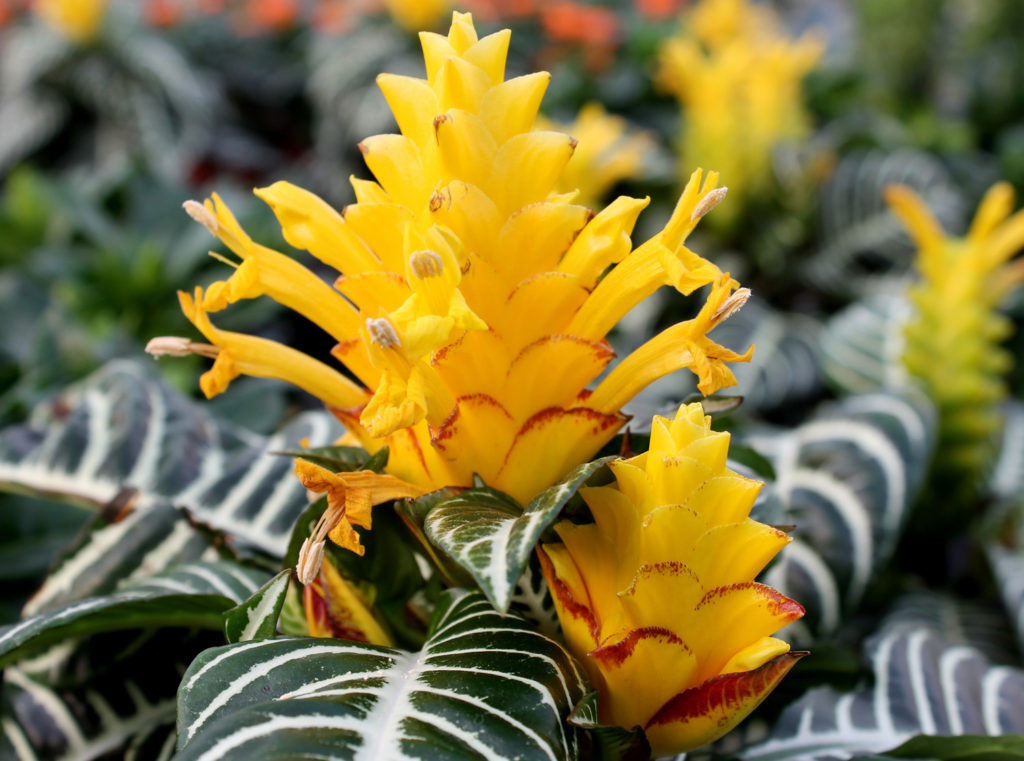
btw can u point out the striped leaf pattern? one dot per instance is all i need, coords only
(785, 366)
(131, 545)
(490, 536)
(861, 239)
(44, 723)
(925, 682)
(485, 685)
(862, 346)
(195, 594)
(256, 618)
(124, 428)
(846, 480)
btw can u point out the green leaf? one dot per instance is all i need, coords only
(966, 748)
(341, 459)
(123, 428)
(846, 480)
(192, 595)
(119, 543)
(608, 743)
(106, 714)
(485, 685)
(485, 532)
(256, 618)
(928, 679)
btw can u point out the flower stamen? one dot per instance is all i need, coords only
(382, 332)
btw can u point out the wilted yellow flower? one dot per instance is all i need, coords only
(953, 340)
(608, 152)
(474, 299)
(78, 20)
(657, 596)
(738, 80)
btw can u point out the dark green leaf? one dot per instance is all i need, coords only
(485, 685)
(487, 534)
(256, 618)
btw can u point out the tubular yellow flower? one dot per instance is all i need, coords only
(738, 80)
(77, 20)
(657, 597)
(474, 297)
(952, 342)
(608, 152)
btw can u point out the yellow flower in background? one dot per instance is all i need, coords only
(77, 20)
(474, 298)
(738, 80)
(608, 152)
(953, 340)
(413, 15)
(657, 596)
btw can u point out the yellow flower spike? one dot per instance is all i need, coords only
(963, 281)
(77, 20)
(474, 296)
(657, 599)
(738, 81)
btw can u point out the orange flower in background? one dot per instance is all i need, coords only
(568, 21)
(657, 596)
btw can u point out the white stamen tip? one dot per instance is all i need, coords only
(382, 332)
(169, 346)
(424, 264)
(708, 202)
(311, 556)
(731, 305)
(202, 215)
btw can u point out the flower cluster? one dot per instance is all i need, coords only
(738, 80)
(474, 299)
(963, 282)
(662, 583)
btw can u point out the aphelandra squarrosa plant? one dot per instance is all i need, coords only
(662, 583)
(953, 339)
(473, 301)
(472, 309)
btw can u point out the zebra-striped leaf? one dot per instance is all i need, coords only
(41, 722)
(862, 347)
(491, 537)
(485, 685)
(124, 428)
(861, 239)
(846, 480)
(256, 618)
(784, 369)
(192, 595)
(927, 680)
(120, 545)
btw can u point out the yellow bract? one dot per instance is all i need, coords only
(953, 341)
(474, 298)
(77, 20)
(657, 596)
(738, 79)
(608, 152)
